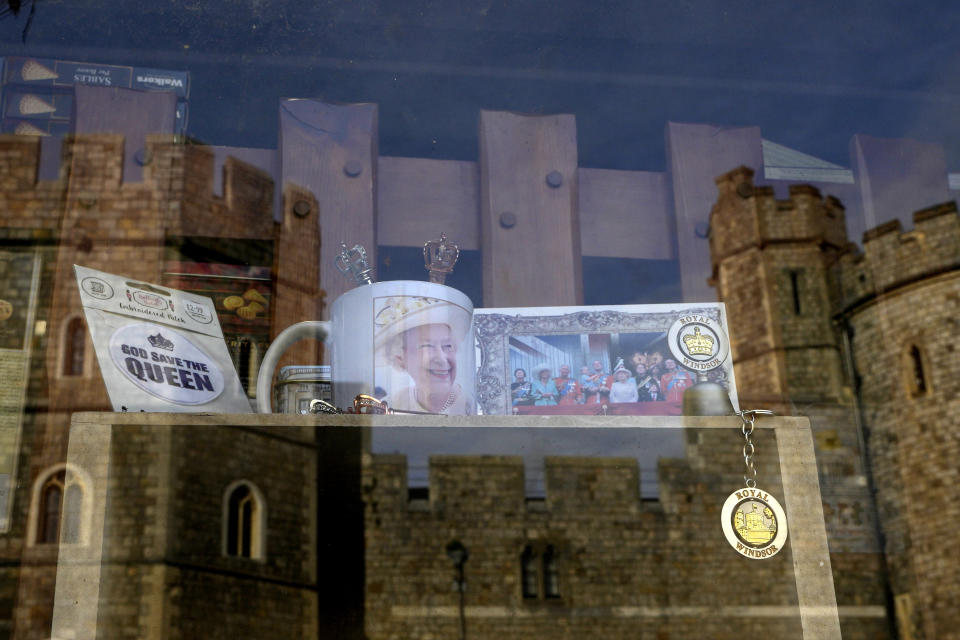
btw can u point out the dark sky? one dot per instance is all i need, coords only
(809, 74)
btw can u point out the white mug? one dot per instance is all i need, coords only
(407, 342)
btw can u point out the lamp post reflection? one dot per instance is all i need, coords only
(458, 554)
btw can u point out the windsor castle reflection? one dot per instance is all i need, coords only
(261, 527)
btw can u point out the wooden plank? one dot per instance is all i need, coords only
(537, 260)
(696, 154)
(418, 198)
(624, 214)
(331, 150)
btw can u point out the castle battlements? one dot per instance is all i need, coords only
(746, 216)
(177, 188)
(90, 215)
(893, 258)
(495, 483)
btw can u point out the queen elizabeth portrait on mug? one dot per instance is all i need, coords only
(419, 342)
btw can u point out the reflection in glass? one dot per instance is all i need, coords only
(49, 530)
(530, 578)
(75, 346)
(918, 378)
(240, 527)
(551, 581)
(72, 512)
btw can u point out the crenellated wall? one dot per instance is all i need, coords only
(771, 265)
(893, 258)
(901, 303)
(156, 564)
(623, 563)
(775, 268)
(857, 337)
(90, 216)
(746, 215)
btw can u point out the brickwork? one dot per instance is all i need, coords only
(19, 163)
(9, 580)
(903, 292)
(90, 216)
(230, 609)
(164, 570)
(898, 301)
(625, 565)
(775, 266)
(34, 600)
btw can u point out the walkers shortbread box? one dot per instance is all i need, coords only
(159, 349)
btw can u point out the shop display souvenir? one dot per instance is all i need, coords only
(299, 387)
(405, 343)
(439, 256)
(675, 357)
(753, 521)
(159, 349)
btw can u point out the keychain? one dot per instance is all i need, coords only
(753, 521)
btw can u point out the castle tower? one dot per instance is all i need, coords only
(90, 215)
(901, 303)
(775, 268)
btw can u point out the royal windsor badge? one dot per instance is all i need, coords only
(753, 521)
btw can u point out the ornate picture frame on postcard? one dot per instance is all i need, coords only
(617, 360)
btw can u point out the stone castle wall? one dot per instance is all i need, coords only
(95, 219)
(624, 563)
(903, 292)
(771, 265)
(163, 571)
(842, 333)
(90, 216)
(775, 266)
(784, 270)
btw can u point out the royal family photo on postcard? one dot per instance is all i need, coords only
(626, 360)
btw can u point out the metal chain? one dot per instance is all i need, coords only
(748, 417)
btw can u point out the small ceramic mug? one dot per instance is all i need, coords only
(406, 342)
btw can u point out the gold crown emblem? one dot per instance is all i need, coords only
(698, 344)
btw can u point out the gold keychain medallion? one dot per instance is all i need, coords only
(753, 521)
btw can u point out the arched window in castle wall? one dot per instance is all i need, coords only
(916, 371)
(74, 347)
(244, 526)
(60, 507)
(51, 502)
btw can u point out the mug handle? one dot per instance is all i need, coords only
(318, 329)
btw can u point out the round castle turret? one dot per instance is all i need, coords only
(901, 302)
